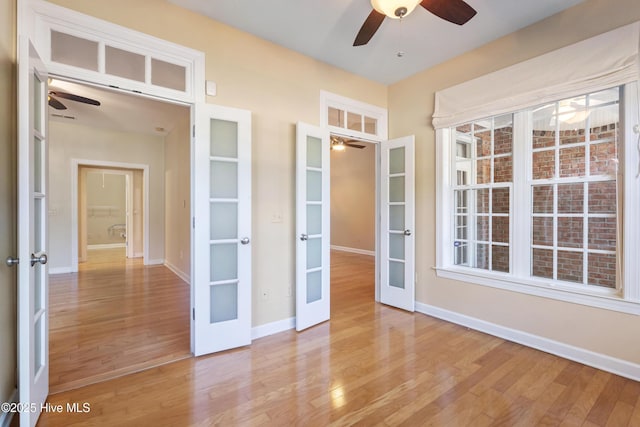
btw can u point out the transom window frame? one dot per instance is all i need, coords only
(347, 105)
(626, 298)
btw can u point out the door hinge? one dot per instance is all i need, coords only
(193, 222)
(193, 313)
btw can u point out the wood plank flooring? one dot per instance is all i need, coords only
(370, 365)
(114, 317)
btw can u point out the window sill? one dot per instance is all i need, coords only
(600, 298)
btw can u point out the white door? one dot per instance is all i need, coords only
(312, 226)
(397, 239)
(33, 316)
(221, 256)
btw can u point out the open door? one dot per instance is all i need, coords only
(33, 292)
(397, 240)
(312, 226)
(221, 255)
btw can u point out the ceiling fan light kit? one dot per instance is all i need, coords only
(395, 9)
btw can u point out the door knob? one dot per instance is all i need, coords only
(11, 261)
(407, 232)
(42, 259)
(245, 241)
(304, 237)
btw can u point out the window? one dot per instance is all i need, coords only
(533, 200)
(351, 118)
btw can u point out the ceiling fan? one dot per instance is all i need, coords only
(55, 103)
(339, 144)
(455, 11)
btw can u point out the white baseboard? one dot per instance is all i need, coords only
(273, 328)
(61, 270)
(181, 274)
(154, 262)
(587, 357)
(6, 417)
(353, 250)
(107, 246)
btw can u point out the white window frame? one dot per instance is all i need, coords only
(328, 99)
(626, 299)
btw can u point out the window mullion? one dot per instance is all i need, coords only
(521, 197)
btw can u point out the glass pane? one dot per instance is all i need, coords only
(500, 200)
(544, 128)
(572, 161)
(314, 186)
(224, 262)
(314, 152)
(336, 117)
(570, 232)
(602, 233)
(168, 75)
(38, 240)
(396, 246)
(483, 171)
(482, 201)
(396, 274)
(574, 135)
(38, 291)
(37, 165)
(503, 134)
(543, 199)
(482, 228)
(482, 256)
(224, 302)
(370, 125)
(461, 228)
(396, 217)
(224, 221)
(502, 169)
(602, 270)
(38, 89)
(570, 198)
(461, 253)
(500, 229)
(603, 159)
(396, 189)
(544, 164)
(38, 344)
(542, 233)
(224, 180)
(314, 219)
(314, 253)
(542, 263)
(396, 160)
(482, 133)
(602, 197)
(570, 266)
(461, 199)
(314, 286)
(122, 63)
(224, 138)
(500, 258)
(75, 51)
(354, 121)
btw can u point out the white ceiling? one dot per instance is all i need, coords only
(325, 30)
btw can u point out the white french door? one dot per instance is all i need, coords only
(221, 190)
(312, 226)
(397, 240)
(33, 292)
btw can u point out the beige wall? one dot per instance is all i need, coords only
(410, 108)
(177, 184)
(71, 141)
(7, 199)
(280, 87)
(353, 198)
(106, 206)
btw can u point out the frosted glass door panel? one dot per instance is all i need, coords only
(224, 180)
(396, 274)
(225, 136)
(314, 286)
(224, 220)
(314, 253)
(314, 152)
(314, 186)
(396, 160)
(314, 219)
(224, 302)
(396, 246)
(396, 217)
(224, 262)
(396, 189)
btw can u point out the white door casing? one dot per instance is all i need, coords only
(397, 233)
(221, 206)
(33, 316)
(312, 226)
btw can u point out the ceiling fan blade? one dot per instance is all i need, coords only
(56, 104)
(348, 144)
(455, 11)
(76, 98)
(369, 28)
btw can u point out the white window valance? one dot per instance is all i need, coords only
(603, 61)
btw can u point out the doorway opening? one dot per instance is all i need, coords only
(122, 301)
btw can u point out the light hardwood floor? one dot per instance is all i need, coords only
(370, 365)
(114, 317)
